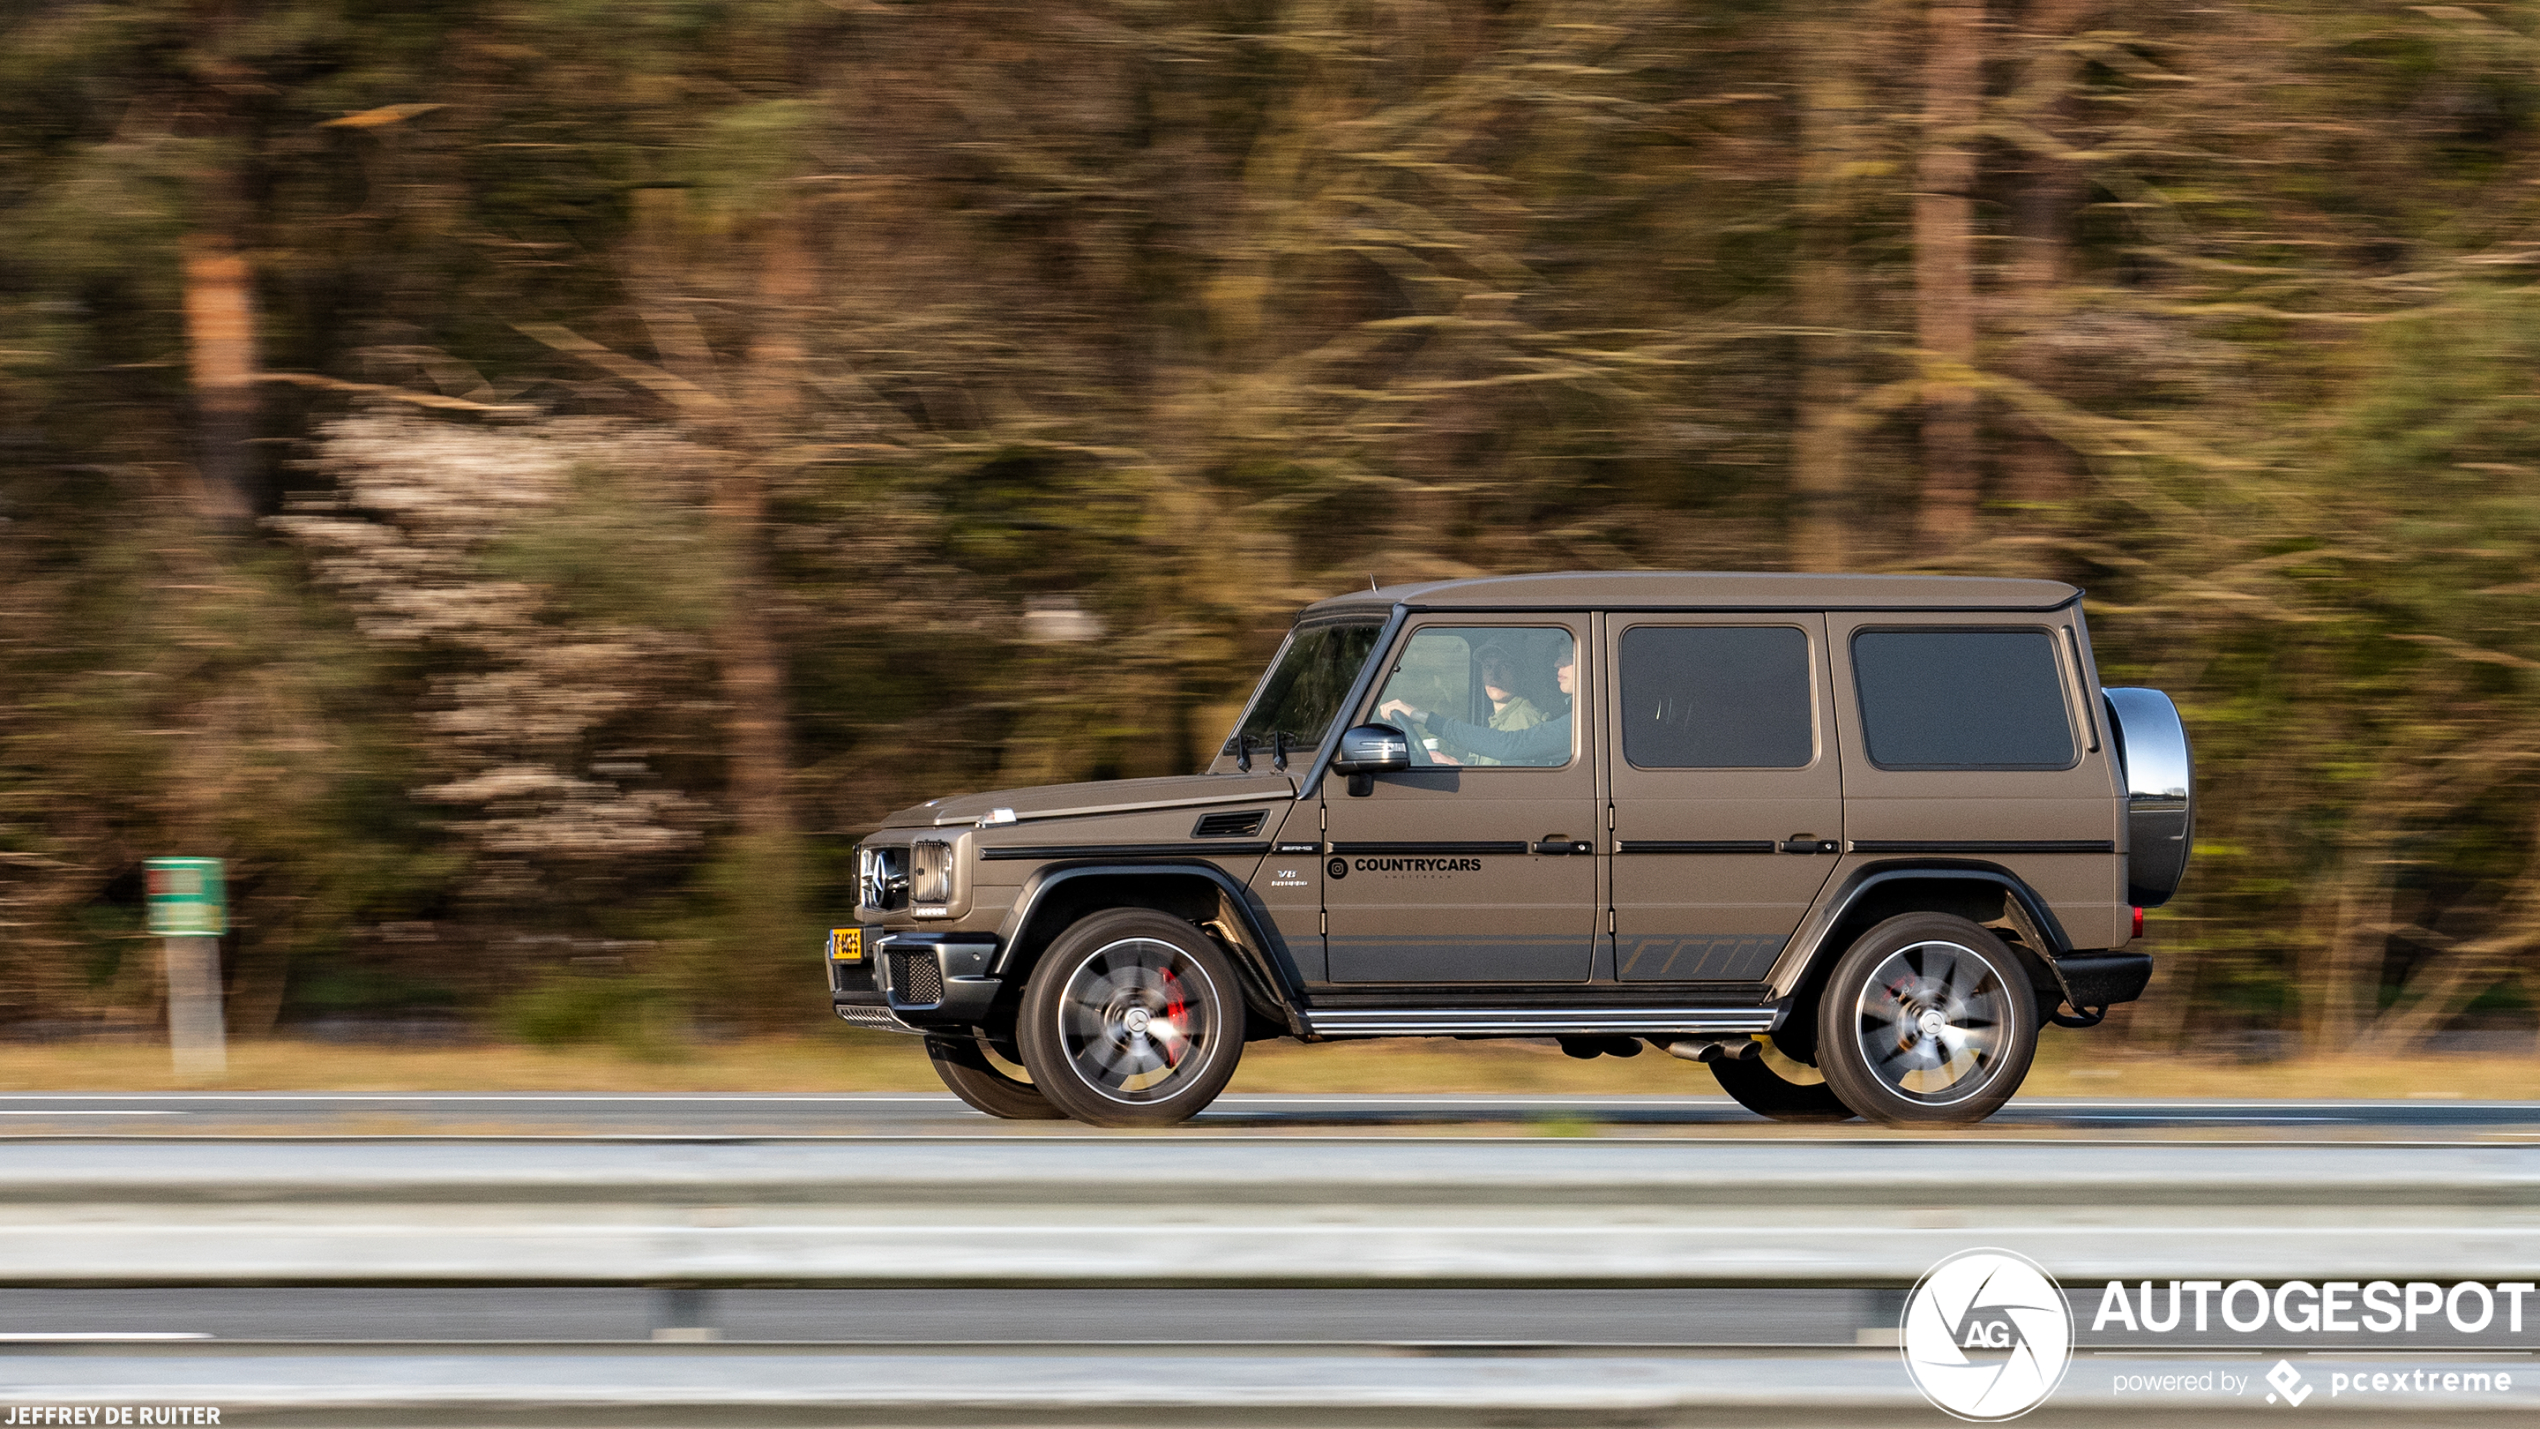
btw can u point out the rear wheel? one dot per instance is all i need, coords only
(1928, 1020)
(1774, 1085)
(963, 1062)
(1133, 1018)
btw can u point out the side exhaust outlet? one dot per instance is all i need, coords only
(1712, 1049)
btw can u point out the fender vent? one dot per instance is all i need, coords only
(1237, 825)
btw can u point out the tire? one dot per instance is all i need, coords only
(963, 1063)
(1776, 1086)
(1092, 1006)
(1928, 1020)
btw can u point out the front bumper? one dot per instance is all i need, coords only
(917, 982)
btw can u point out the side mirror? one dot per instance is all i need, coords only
(1369, 750)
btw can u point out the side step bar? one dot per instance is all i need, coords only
(1532, 1022)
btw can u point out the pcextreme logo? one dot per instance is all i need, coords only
(1987, 1335)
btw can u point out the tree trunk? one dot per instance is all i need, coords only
(2342, 990)
(2444, 985)
(1821, 456)
(753, 668)
(2041, 467)
(753, 671)
(1944, 270)
(220, 335)
(220, 300)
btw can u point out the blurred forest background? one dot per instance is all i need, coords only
(527, 481)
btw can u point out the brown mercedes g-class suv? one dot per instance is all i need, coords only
(1847, 839)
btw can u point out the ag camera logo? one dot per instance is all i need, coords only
(1987, 1335)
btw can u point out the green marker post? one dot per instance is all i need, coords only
(189, 900)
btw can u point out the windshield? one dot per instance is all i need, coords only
(1305, 689)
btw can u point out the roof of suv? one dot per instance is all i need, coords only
(1708, 590)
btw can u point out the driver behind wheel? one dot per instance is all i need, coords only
(1509, 711)
(1544, 745)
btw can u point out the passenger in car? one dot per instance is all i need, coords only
(1543, 745)
(1509, 710)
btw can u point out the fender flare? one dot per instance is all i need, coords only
(1808, 946)
(1261, 958)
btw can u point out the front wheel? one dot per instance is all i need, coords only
(962, 1061)
(1928, 1020)
(1133, 1018)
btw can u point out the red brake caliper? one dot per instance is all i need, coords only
(1174, 1006)
(1896, 994)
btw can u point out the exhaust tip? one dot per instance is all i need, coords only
(1713, 1049)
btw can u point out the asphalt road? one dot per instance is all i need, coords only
(734, 1114)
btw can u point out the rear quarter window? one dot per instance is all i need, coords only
(1962, 699)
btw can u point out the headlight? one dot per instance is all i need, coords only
(930, 873)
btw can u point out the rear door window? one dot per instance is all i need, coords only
(1716, 697)
(1962, 699)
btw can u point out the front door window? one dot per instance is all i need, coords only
(1483, 696)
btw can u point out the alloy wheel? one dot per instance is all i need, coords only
(1130, 1022)
(1931, 1021)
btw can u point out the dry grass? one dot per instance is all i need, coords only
(2069, 1065)
(841, 1061)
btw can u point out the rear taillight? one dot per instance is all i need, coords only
(2138, 922)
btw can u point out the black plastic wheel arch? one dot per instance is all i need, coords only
(1261, 958)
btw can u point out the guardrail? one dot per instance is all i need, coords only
(1196, 1210)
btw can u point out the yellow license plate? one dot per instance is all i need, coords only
(846, 945)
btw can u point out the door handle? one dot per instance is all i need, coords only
(1810, 843)
(1563, 843)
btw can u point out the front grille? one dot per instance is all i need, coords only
(930, 873)
(916, 979)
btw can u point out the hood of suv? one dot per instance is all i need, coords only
(1109, 796)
